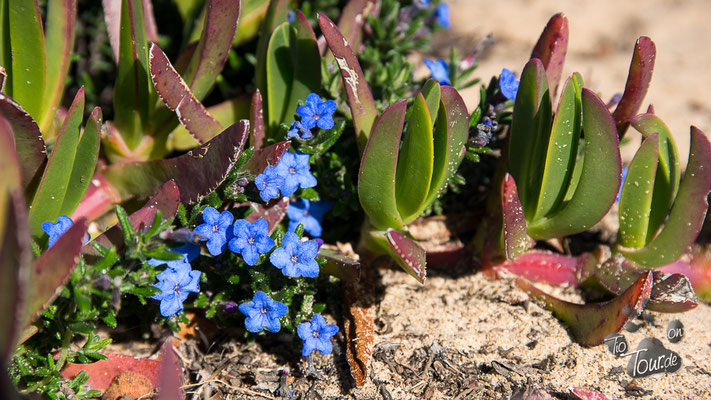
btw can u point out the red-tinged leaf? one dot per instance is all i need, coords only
(52, 270)
(166, 200)
(353, 17)
(697, 270)
(112, 18)
(273, 212)
(543, 266)
(551, 48)
(408, 254)
(339, 265)
(638, 80)
(150, 21)
(103, 372)
(99, 199)
(216, 39)
(256, 113)
(197, 173)
(688, 212)
(171, 375)
(360, 99)
(516, 241)
(28, 142)
(262, 158)
(176, 94)
(447, 256)
(359, 326)
(588, 394)
(590, 323)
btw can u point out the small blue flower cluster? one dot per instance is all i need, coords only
(290, 173)
(508, 85)
(439, 71)
(316, 112)
(177, 281)
(56, 230)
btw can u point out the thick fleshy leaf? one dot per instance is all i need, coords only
(112, 18)
(599, 179)
(226, 113)
(166, 200)
(378, 166)
(101, 373)
(264, 157)
(10, 180)
(450, 135)
(666, 181)
(293, 71)
(176, 94)
(530, 130)
(171, 379)
(638, 80)
(588, 394)
(209, 57)
(432, 92)
(415, 163)
(516, 240)
(49, 199)
(353, 17)
(408, 254)
(61, 26)
(197, 173)
(339, 265)
(543, 266)
(589, 324)
(637, 194)
(688, 212)
(551, 48)
(697, 270)
(256, 118)
(273, 212)
(52, 270)
(562, 148)
(360, 99)
(24, 60)
(275, 16)
(250, 20)
(27, 137)
(100, 198)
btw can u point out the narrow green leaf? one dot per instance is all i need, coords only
(562, 148)
(599, 179)
(415, 163)
(276, 15)
(126, 227)
(637, 195)
(378, 166)
(688, 212)
(432, 92)
(48, 201)
(666, 182)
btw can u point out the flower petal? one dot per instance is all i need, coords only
(309, 346)
(210, 215)
(279, 258)
(250, 255)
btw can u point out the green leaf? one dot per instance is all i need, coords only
(666, 182)
(688, 212)
(516, 240)
(415, 163)
(432, 93)
(599, 179)
(378, 166)
(87, 154)
(276, 15)
(637, 195)
(49, 199)
(562, 148)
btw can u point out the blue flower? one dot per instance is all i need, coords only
(622, 183)
(508, 85)
(269, 182)
(316, 335)
(295, 170)
(317, 111)
(263, 312)
(214, 229)
(296, 258)
(439, 71)
(189, 251)
(297, 130)
(251, 240)
(307, 214)
(441, 15)
(56, 230)
(175, 285)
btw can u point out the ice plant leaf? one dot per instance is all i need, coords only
(256, 118)
(61, 26)
(638, 79)
(264, 157)
(48, 201)
(530, 129)
(551, 48)
(27, 137)
(599, 179)
(112, 19)
(226, 113)
(408, 254)
(176, 94)
(697, 270)
(637, 195)
(52, 269)
(25, 61)
(666, 181)
(275, 16)
(450, 134)
(433, 94)
(378, 166)
(588, 394)
(360, 99)
(196, 173)
(339, 265)
(415, 163)
(562, 148)
(273, 212)
(688, 212)
(590, 323)
(514, 224)
(353, 17)
(543, 266)
(171, 379)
